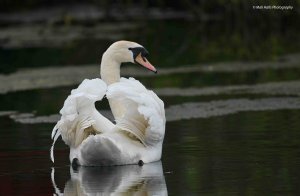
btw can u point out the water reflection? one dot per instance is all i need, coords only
(121, 180)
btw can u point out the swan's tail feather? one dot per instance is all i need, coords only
(54, 131)
(77, 113)
(52, 147)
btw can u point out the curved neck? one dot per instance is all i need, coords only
(110, 73)
(110, 69)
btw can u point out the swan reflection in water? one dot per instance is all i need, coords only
(118, 180)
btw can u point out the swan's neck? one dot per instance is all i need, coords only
(110, 69)
(110, 73)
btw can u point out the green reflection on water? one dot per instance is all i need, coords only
(42, 101)
(170, 43)
(181, 42)
(245, 153)
(85, 52)
(220, 79)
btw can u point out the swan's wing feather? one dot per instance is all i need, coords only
(77, 112)
(144, 116)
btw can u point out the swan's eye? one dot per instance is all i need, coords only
(139, 50)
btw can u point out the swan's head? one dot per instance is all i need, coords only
(126, 51)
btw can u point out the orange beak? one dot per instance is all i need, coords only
(144, 62)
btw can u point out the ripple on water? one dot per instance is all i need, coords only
(190, 110)
(71, 75)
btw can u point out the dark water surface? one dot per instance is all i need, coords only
(245, 153)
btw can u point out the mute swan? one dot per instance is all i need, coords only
(136, 137)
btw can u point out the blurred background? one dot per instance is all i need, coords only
(229, 75)
(37, 33)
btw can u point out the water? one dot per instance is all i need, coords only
(244, 153)
(232, 125)
(245, 140)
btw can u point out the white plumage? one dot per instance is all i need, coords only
(78, 113)
(144, 115)
(94, 140)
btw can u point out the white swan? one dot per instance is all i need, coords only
(138, 134)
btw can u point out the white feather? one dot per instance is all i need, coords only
(77, 113)
(144, 115)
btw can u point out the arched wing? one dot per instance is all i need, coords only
(79, 113)
(144, 115)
